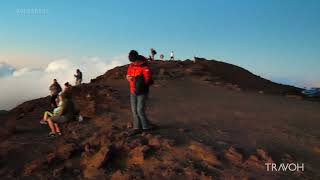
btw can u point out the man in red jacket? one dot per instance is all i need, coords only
(139, 79)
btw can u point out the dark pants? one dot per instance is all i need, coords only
(59, 119)
(53, 101)
(78, 82)
(138, 111)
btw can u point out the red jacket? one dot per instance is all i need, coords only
(135, 69)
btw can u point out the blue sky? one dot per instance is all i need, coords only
(278, 39)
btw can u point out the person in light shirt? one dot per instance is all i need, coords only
(172, 55)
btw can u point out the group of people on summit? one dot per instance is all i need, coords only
(62, 103)
(153, 53)
(139, 79)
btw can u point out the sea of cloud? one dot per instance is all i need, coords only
(19, 85)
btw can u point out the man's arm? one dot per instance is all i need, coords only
(129, 74)
(62, 110)
(146, 75)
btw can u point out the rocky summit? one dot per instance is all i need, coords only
(213, 121)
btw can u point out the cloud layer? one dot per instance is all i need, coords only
(6, 69)
(19, 85)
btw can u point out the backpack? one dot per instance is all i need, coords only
(55, 89)
(140, 86)
(59, 89)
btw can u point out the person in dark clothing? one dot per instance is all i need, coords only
(139, 79)
(161, 56)
(152, 54)
(78, 77)
(55, 89)
(67, 90)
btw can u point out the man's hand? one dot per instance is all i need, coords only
(130, 78)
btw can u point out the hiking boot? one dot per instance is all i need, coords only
(43, 122)
(148, 129)
(151, 127)
(134, 132)
(52, 135)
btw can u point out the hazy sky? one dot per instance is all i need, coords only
(278, 39)
(267, 36)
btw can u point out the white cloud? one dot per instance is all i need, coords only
(6, 69)
(59, 66)
(22, 71)
(27, 83)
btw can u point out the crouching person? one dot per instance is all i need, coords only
(65, 114)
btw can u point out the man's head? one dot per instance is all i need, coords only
(67, 84)
(133, 56)
(55, 81)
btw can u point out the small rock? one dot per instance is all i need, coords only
(65, 151)
(137, 155)
(233, 155)
(154, 141)
(118, 175)
(264, 155)
(98, 159)
(204, 153)
(34, 165)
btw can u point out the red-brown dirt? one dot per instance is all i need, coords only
(216, 121)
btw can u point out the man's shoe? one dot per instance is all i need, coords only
(148, 129)
(52, 135)
(151, 127)
(43, 122)
(134, 132)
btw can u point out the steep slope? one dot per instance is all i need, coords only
(214, 123)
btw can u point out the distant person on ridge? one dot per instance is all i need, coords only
(139, 79)
(161, 56)
(172, 55)
(153, 53)
(55, 89)
(78, 77)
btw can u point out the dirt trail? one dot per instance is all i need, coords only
(223, 118)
